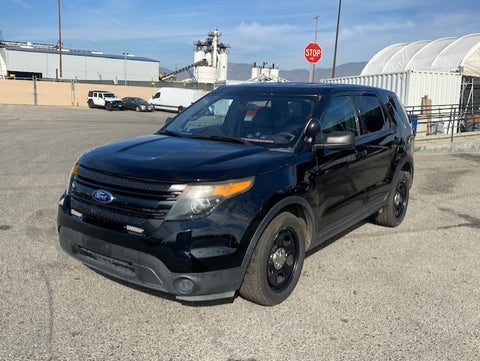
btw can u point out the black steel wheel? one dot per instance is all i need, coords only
(108, 106)
(277, 261)
(392, 214)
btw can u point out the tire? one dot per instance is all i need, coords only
(90, 103)
(276, 262)
(180, 109)
(393, 212)
(108, 106)
(137, 108)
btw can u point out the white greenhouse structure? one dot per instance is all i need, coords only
(446, 70)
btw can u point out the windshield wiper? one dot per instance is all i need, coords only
(221, 138)
(169, 132)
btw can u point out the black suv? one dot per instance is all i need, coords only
(229, 194)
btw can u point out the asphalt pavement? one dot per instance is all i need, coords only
(405, 293)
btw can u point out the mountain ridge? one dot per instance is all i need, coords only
(243, 71)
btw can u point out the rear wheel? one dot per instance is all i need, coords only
(392, 214)
(277, 261)
(90, 103)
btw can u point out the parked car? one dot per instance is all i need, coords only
(104, 99)
(175, 99)
(230, 194)
(138, 104)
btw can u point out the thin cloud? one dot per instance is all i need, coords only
(22, 3)
(108, 17)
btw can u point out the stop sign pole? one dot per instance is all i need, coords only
(312, 69)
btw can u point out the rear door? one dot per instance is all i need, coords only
(375, 145)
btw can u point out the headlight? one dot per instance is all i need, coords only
(142, 107)
(199, 200)
(73, 173)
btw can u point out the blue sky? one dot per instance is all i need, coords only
(271, 31)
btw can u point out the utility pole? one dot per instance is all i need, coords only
(125, 68)
(60, 40)
(312, 69)
(336, 39)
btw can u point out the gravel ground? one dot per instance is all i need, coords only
(407, 293)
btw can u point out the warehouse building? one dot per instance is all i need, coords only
(26, 59)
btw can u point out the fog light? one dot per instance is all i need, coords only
(184, 286)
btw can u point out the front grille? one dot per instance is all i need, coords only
(137, 202)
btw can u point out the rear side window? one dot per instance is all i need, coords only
(340, 116)
(371, 113)
(397, 111)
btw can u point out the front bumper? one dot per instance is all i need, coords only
(146, 270)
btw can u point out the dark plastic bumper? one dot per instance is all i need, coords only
(146, 270)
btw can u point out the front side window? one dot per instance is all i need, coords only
(340, 116)
(371, 113)
(269, 120)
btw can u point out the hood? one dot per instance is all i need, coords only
(174, 159)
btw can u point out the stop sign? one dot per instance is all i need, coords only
(313, 52)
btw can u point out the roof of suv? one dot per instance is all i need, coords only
(297, 88)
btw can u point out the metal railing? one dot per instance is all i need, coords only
(447, 120)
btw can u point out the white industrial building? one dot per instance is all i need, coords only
(446, 70)
(25, 59)
(210, 62)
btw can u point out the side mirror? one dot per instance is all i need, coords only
(312, 130)
(337, 140)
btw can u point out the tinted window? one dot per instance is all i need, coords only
(340, 116)
(371, 113)
(398, 113)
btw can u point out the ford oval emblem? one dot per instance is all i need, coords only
(103, 196)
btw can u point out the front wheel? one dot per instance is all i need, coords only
(108, 106)
(277, 261)
(392, 214)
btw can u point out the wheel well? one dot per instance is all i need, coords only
(300, 212)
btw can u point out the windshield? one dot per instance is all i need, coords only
(140, 101)
(273, 121)
(109, 95)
